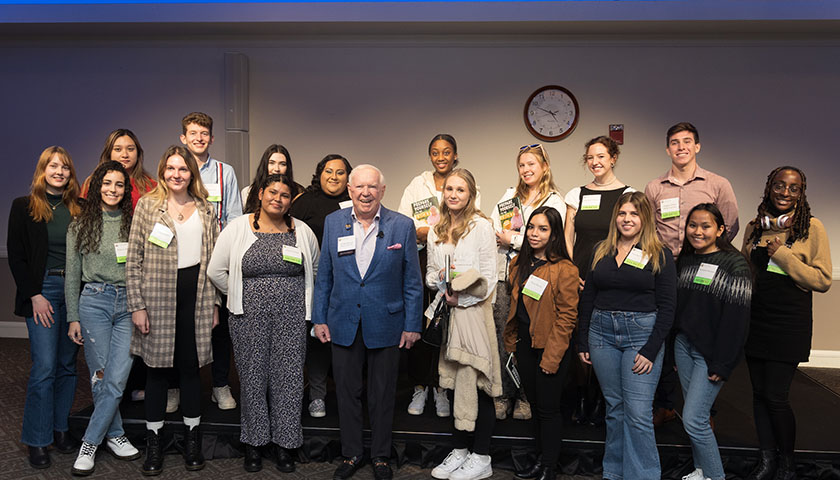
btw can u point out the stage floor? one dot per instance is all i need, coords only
(424, 439)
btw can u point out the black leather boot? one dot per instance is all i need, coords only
(547, 473)
(285, 462)
(39, 457)
(253, 459)
(532, 471)
(766, 467)
(153, 464)
(787, 468)
(193, 458)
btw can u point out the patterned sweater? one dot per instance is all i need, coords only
(715, 315)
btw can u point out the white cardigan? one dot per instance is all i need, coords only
(554, 199)
(225, 267)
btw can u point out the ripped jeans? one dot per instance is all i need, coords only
(106, 328)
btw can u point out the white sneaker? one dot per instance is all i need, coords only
(455, 459)
(475, 467)
(441, 402)
(85, 460)
(317, 408)
(121, 448)
(222, 396)
(418, 400)
(697, 474)
(173, 400)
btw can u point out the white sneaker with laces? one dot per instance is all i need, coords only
(697, 474)
(441, 402)
(451, 463)
(173, 400)
(418, 400)
(222, 396)
(84, 463)
(317, 408)
(121, 448)
(475, 467)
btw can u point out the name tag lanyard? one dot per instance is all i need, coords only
(221, 194)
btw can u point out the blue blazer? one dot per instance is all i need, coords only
(387, 301)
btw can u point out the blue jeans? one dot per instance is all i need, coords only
(614, 340)
(699, 394)
(106, 328)
(52, 378)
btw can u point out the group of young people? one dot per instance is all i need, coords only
(605, 279)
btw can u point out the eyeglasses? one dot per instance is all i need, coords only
(536, 145)
(780, 187)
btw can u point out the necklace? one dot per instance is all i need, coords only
(56, 205)
(180, 210)
(604, 184)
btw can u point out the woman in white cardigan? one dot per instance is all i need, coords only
(266, 262)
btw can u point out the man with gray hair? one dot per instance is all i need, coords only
(368, 303)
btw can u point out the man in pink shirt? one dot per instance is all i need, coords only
(686, 185)
(672, 196)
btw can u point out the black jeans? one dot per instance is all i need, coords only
(185, 361)
(545, 393)
(775, 423)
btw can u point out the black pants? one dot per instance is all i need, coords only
(221, 348)
(423, 364)
(185, 360)
(774, 419)
(545, 393)
(382, 364)
(484, 424)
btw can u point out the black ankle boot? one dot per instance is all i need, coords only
(598, 411)
(547, 473)
(285, 462)
(579, 415)
(787, 468)
(193, 458)
(532, 471)
(766, 467)
(153, 464)
(253, 458)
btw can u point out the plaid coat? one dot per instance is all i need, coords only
(151, 276)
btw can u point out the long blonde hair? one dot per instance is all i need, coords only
(648, 240)
(39, 208)
(546, 185)
(196, 188)
(462, 226)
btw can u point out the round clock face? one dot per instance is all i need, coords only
(551, 113)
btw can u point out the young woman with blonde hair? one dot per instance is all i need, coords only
(626, 310)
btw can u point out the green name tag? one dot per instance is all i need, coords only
(705, 274)
(775, 268)
(670, 207)
(121, 250)
(161, 235)
(292, 254)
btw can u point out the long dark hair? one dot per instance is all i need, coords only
(315, 186)
(274, 178)
(88, 225)
(252, 203)
(800, 223)
(555, 250)
(722, 242)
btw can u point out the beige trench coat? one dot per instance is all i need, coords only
(151, 276)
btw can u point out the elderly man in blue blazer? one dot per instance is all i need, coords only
(368, 303)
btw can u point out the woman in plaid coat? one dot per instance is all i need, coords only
(173, 304)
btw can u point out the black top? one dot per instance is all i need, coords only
(57, 232)
(782, 315)
(522, 316)
(592, 226)
(313, 207)
(715, 317)
(26, 243)
(625, 288)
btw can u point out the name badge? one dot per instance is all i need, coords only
(775, 268)
(292, 254)
(590, 202)
(636, 258)
(705, 274)
(121, 249)
(534, 287)
(670, 207)
(345, 204)
(214, 192)
(346, 245)
(161, 235)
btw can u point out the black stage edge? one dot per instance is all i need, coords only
(424, 440)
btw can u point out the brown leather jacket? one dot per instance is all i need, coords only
(553, 316)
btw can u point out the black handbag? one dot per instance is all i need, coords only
(438, 327)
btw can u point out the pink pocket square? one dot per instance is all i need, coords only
(395, 246)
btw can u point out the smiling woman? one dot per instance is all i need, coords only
(123, 146)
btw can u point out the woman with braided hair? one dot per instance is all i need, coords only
(789, 252)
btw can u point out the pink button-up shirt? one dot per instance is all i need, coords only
(703, 187)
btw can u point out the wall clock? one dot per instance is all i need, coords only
(551, 113)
